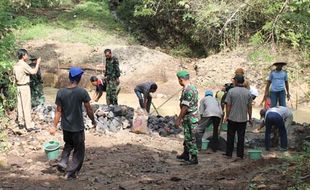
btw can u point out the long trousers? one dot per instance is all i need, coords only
(141, 101)
(234, 127)
(73, 141)
(275, 119)
(203, 124)
(24, 106)
(276, 97)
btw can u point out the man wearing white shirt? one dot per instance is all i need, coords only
(280, 117)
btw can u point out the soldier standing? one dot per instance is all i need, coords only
(36, 85)
(112, 74)
(189, 118)
(22, 71)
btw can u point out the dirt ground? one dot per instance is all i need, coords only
(126, 161)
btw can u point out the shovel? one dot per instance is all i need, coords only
(155, 109)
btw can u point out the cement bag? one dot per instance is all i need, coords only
(139, 124)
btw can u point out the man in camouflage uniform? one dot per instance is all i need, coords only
(112, 74)
(36, 85)
(189, 118)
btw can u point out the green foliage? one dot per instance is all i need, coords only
(260, 55)
(208, 25)
(302, 162)
(257, 39)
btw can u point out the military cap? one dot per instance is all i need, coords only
(182, 74)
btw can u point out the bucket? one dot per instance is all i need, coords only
(224, 127)
(255, 154)
(204, 145)
(210, 128)
(51, 149)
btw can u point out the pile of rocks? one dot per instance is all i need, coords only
(44, 114)
(110, 119)
(165, 126)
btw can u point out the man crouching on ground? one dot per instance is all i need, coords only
(69, 108)
(189, 118)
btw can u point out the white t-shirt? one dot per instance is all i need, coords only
(284, 112)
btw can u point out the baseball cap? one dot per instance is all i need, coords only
(208, 93)
(239, 79)
(75, 71)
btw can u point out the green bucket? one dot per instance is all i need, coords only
(210, 128)
(255, 154)
(204, 145)
(51, 149)
(224, 127)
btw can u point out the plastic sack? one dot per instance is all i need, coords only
(140, 120)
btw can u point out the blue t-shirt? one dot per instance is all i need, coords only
(277, 79)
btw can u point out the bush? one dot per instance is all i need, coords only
(211, 25)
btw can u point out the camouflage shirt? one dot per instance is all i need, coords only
(112, 70)
(189, 98)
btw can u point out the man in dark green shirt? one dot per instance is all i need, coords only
(188, 118)
(36, 85)
(112, 74)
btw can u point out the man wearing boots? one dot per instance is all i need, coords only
(188, 117)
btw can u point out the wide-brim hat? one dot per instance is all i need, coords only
(280, 63)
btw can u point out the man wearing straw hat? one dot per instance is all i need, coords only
(278, 81)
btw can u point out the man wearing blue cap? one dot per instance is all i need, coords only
(211, 113)
(188, 117)
(69, 108)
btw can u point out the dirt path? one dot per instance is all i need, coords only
(125, 161)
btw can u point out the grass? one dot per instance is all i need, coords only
(260, 55)
(89, 22)
(4, 145)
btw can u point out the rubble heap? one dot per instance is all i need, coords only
(164, 125)
(110, 119)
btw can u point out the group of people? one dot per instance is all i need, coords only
(233, 104)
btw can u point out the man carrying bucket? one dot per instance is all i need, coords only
(69, 108)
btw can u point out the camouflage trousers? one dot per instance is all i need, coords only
(37, 96)
(112, 92)
(189, 126)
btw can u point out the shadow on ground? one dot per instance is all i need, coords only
(138, 167)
